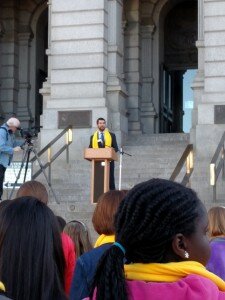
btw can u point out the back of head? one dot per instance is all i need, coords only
(106, 208)
(78, 232)
(216, 217)
(61, 222)
(31, 255)
(148, 219)
(35, 189)
(4, 203)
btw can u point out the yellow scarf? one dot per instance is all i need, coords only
(170, 272)
(107, 137)
(2, 287)
(104, 239)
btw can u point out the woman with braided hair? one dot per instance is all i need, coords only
(161, 248)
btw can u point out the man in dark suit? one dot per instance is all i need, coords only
(103, 138)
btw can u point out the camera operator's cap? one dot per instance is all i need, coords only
(13, 122)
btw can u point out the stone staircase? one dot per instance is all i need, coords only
(152, 156)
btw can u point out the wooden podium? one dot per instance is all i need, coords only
(100, 160)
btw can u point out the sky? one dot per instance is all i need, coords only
(188, 99)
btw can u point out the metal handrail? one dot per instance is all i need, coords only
(215, 169)
(69, 139)
(188, 157)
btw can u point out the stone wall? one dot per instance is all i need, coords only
(86, 67)
(209, 128)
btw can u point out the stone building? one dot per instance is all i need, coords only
(72, 61)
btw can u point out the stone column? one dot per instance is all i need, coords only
(2, 31)
(116, 91)
(132, 64)
(46, 88)
(198, 84)
(211, 103)
(148, 113)
(9, 55)
(78, 49)
(23, 111)
(209, 127)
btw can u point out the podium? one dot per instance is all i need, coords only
(100, 169)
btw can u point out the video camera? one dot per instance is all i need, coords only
(30, 133)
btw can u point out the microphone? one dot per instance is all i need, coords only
(100, 141)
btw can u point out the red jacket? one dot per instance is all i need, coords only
(69, 253)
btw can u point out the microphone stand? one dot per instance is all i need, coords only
(121, 165)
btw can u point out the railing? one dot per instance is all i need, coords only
(187, 157)
(217, 165)
(69, 139)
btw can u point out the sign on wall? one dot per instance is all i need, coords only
(78, 119)
(219, 114)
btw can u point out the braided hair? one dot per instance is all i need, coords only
(148, 218)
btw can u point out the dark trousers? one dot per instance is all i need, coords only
(2, 174)
(111, 177)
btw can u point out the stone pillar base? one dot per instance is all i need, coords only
(148, 117)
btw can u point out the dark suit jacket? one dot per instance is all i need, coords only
(114, 142)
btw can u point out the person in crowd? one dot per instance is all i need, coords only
(103, 222)
(31, 254)
(3, 292)
(37, 189)
(216, 232)
(33, 188)
(69, 254)
(8, 146)
(79, 234)
(103, 138)
(62, 223)
(161, 248)
(3, 204)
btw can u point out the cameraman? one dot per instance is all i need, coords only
(8, 145)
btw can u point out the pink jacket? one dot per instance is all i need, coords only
(192, 287)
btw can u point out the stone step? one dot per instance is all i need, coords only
(150, 138)
(152, 156)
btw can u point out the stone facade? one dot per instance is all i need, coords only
(107, 57)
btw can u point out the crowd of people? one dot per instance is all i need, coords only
(156, 241)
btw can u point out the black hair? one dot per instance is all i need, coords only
(148, 218)
(31, 255)
(4, 203)
(100, 119)
(61, 222)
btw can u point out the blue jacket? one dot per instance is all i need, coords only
(85, 271)
(7, 143)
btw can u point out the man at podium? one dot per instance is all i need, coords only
(103, 138)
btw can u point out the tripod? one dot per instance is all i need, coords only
(30, 148)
